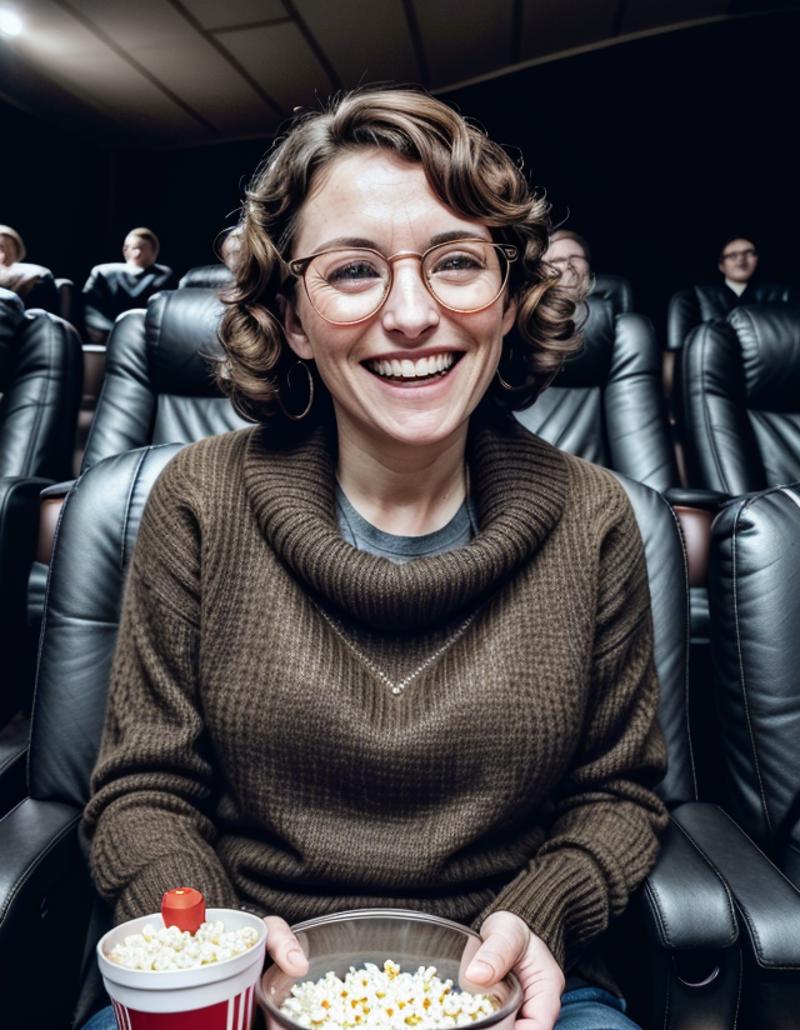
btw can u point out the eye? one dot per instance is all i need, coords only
(456, 264)
(352, 271)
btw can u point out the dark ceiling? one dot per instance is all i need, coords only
(188, 72)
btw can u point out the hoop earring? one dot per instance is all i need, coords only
(307, 408)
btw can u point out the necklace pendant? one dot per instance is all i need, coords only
(396, 690)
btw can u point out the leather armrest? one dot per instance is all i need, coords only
(13, 759)
(52, 501)
(768, 904)
(45, 901)
(684, 902)
(19, 521)
(689, 497)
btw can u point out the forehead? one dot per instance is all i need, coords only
(376, 195)
(565, 247)
(132, 240)
(735, 245)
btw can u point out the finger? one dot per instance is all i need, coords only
(501, 950)
(284, 948)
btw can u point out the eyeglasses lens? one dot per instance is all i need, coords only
(349, 285)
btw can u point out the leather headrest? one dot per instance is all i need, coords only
(181, 337)
(12, 314)
(592, 365)
(769, 338)
(207, 277)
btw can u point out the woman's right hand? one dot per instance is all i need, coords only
(284, 948)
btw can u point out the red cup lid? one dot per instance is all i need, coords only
(183, 907)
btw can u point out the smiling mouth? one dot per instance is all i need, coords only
(404, 370)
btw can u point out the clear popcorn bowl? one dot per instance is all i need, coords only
(216, 996)
(335, 942)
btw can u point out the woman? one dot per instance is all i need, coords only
(297, 724)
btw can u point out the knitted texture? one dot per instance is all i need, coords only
(301, 727)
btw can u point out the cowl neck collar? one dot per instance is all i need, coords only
(519, 486)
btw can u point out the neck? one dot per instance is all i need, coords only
(399, 488)
(738, 288)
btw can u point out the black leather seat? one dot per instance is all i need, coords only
(159, 385)
(41, 369)
(755, 614)
(207, 277)
(683, 926)
(614, 288)
(689, 308)
(741, 400)
(606, 404)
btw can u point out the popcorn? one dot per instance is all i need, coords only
(384, 999)
(157, 949)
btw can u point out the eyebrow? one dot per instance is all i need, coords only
(360, 241)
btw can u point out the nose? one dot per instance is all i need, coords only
(409, 309)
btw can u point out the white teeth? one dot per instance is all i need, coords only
(405, 368)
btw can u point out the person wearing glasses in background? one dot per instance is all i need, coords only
(386, 647)
(118, 286)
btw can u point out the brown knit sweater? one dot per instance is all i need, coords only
(301, 727)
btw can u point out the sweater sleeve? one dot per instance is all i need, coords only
(603, 833)
(149, 816)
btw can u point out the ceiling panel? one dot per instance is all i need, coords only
(365, 42)
(648, 14)
(213, 14)
(549, 26)
(280, 60)
(159, 38)
(466, 39)
(68, 53)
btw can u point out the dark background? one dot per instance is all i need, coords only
(657, 149)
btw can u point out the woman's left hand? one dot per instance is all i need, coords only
(508, 944)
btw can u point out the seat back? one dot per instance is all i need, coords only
(616, 289)
(755, 614)
(159, 384)
(606, 404)
(207, 277)
(41, 372)
(741, 399)
(94, 542)
(689, 308)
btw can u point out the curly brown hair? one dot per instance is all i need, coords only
(469, 173)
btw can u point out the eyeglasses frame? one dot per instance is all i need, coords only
(299, 266)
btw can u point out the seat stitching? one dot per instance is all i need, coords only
(687, 640)
(128, 504)
(706, 413)
(740, 657)
(39, 407)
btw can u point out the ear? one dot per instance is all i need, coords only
(509, 315)
(721, 267)
(293, 328)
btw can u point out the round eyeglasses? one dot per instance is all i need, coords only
(346, 285)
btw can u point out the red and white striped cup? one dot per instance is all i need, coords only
(218, 996)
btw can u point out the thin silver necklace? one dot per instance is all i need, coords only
(396, 686)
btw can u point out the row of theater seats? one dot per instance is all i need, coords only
(713, 905)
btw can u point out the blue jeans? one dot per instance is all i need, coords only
(588, 1008)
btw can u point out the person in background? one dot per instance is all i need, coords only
(387, 605)
(738, 261)
(569, 254)
(118, 286)
(33, 283)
